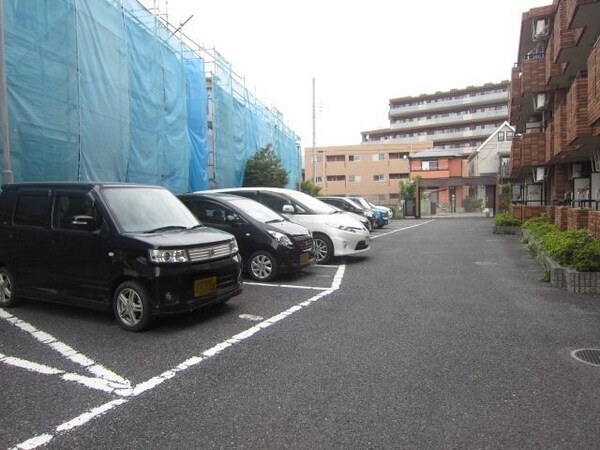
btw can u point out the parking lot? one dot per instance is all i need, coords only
(61, 367)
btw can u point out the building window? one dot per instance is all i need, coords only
(501, 135)
(378, 157)
(319, 179)
(379, 177)
(429, 165)
(399, 155)
(509, 135)
(355, 158)
(336, 177)
(398, 176)
(354, 178)
(335, 158)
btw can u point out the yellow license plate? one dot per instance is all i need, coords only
(304, 258)
(205, 286)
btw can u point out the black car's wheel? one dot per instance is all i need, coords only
(262, 266)
(131, 306)
(323, 248)
(7, 288)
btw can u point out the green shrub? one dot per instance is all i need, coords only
(587, 258)
(504, 219)
(539, 226)
(472, 204)
(562, 245)
(574, 249)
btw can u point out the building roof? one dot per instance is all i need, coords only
(442, 94)
(437, 153)
(492, 136)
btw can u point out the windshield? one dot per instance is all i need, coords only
(256, 210)
(362, 202)
(143, 209)
(312, 204)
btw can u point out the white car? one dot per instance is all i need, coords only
(335, 232)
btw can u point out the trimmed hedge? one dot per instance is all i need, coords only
(574, 249)
(506, 220)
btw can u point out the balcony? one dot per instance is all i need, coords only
(577, 12)
(550, 141)
(516, 156)
(560, 129)
(578, 128)
(534, 75)
(553, 69)
(516, 87)
(534, 149)
(593, 65)
(447, 103)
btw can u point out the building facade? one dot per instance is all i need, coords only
(455, 119)
(372, 171)
(555, 109)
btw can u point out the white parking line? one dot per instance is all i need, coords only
(66, 351)
(140, 388)
(288, 286)
(396, 230)
(93, 383)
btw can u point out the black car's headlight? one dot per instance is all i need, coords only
(168, 256)
(281, 238)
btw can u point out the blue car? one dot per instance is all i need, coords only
(382, 217)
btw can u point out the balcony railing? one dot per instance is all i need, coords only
(534, 149)
(443, 103)
(499, 114)
(593, 65)
(534, 75)
(577, 111)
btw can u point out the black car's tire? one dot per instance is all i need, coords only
(7, 288)
(323, 248)
(131, 306)
(261, 266)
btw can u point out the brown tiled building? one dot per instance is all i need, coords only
(554, 107)
(373, 171)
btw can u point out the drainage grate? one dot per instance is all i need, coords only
(587, 355)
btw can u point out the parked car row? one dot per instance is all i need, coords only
(376, 216)
(142, 252)
(334, 232)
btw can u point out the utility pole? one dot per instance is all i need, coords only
(7, 175)
(314, 136)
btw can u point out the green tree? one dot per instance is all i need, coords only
(308, 187)
(265, 169)
(407, 189)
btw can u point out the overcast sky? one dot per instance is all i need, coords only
(361, 54)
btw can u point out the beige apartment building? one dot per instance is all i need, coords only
(372, 171)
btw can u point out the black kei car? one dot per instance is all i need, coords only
(269, 243)
(131, 248)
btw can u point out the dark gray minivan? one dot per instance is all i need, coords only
(134, 249)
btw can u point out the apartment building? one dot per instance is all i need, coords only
(373, 171)
(455, 119)
(555, 110)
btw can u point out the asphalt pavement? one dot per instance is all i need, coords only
(443, 337)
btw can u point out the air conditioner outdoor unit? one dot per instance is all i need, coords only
(538, 174)
(576, 170)
(540, 102)
(540, 29)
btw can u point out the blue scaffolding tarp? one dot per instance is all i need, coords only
(103, 91)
